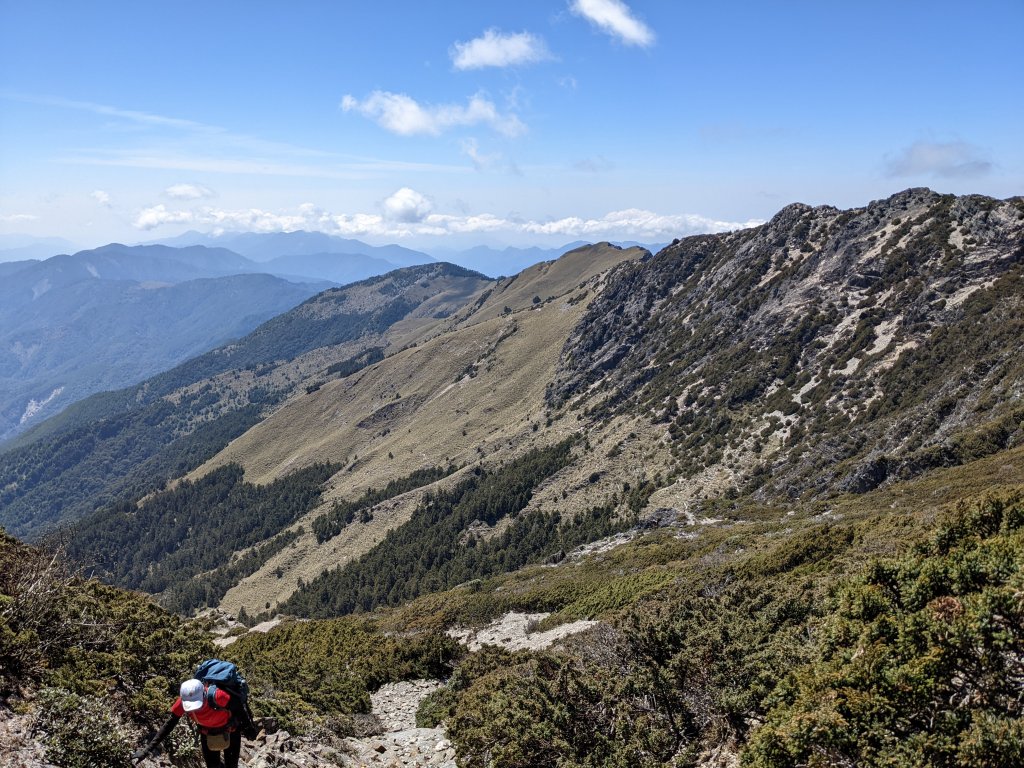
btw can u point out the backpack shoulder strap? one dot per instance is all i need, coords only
(211, 696)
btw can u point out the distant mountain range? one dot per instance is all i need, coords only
(72, 326)
(25, 247)
(265, 247)
(278, 250)
(105, 318)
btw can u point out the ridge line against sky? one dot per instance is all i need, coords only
(474, 123)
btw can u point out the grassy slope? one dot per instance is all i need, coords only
(496, 406)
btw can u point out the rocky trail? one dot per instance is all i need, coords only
(401, 745)
(398, 744)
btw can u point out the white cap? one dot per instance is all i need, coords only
(193, 695)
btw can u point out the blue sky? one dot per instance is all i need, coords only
(455, 123)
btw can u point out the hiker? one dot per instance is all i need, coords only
(222, 718)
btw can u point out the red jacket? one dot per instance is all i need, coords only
(209, 719)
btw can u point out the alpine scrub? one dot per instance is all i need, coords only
(923, 662)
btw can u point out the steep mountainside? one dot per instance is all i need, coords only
(462, 387)
(95, 334)
(826, 350)
(137, 438)
(780, 472)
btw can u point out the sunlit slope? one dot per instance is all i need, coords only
(494, 362)
(551, 278)
(473, 394)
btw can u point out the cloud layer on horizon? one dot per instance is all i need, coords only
(408, 213)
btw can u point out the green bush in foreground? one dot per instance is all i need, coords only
(923, 662)
(522, 710)
(82, 732)
(781, 659)
(94, 663)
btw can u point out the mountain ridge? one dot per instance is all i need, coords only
(759, 446)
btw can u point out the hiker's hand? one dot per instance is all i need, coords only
(250, 732)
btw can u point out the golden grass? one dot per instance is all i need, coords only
(474, 393)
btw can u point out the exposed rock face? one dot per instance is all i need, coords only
(823, 348)
(395, 704)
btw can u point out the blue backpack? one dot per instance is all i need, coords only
(224, 675)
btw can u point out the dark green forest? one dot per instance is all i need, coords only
(197, 527)
(424, 554)
(343, 513)
(436, 549)
(60, 478)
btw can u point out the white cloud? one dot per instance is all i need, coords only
(15, 218)
(101, 197)
(188, 191)
(403, 115)
(615, 18)
(496, 49)
(408, 213)
(150, 218)
(634, 223)
(952, 159)
(407, 205)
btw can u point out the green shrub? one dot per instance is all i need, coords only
(922, 662)
(82, 732)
